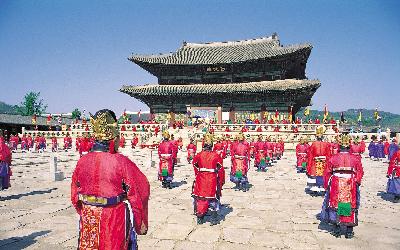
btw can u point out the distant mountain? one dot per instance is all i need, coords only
(389, 120)
(7, 109)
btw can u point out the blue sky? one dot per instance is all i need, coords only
(75, 52)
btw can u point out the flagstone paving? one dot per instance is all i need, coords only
(275, 213)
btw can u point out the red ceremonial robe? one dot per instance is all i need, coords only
(6, 173)
(342, 174)
(219, 148)
(165, 153)
(301, 153)
(394, 164)
(317, 148)
(260, 152)
(210, 177)
(191, 150)
(240, 149)
(103, 174)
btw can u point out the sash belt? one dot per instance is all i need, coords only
(101, 201)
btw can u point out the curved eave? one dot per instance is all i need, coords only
(197, 57)
(234, 88)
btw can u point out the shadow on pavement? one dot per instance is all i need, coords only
(17, 196)
(385, 196)
(224, 210)
(21, 242)
(178, 184)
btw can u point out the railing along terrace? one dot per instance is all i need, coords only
(129, 131)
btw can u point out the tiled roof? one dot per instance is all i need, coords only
(223, 52)
(27, 120)
(250, 87)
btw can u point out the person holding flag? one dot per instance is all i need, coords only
(290, 115)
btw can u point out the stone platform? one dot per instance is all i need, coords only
(275, 213)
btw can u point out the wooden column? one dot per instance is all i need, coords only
(232, 114)
(262, 113)
(219, 115)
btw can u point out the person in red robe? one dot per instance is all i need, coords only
(175, 150)
(393, 175)
(67, 142)
(219, 148)
(334, 147)
(134, 141)
(355, 148)
(342, 178)
(77, 142)
(386, 145)
(280, 147)
(14, 140)
(318, 156)
(54, 143)
(260, 159)
(301, 154)
(24, 142)
(363, 146)
(191, 150)
(166, 166)
(209, 179)
(122, 141)
(5, 163)
(252, 145)
(85, 145)
(156, 130)
(30, 142)
(109, 192)
(180, 143)
(240, 164)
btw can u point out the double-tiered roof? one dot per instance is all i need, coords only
(246, 75)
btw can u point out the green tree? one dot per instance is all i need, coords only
(76, 114)
(32, 104)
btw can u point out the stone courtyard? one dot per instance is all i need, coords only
(275, 213)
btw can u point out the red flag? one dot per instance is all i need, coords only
(276, 113)
(48, 119)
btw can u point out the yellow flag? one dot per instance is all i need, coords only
(307, 111)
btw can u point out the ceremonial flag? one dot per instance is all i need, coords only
(48, 119)
(34, 119)
(376, 115)
(326, 113)
(307, 111)
(290, 116)
(359, 117)
(276, 114)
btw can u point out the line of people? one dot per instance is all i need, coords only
(334, 170)
(379, 150)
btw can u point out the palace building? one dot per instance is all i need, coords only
(252, 76)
